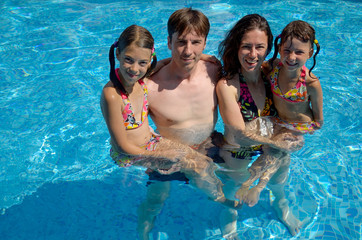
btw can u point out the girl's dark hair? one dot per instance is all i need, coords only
(131, 35)
(301, 30)
(228, 48)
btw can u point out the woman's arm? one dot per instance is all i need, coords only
(227, 93)
(210, 58)
(236, 132)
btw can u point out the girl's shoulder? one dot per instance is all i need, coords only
(110, 93)
(145, 80)
(312, 83)
(310, 78)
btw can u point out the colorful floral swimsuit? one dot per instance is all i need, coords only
(296, 94)
(249, 111)
(123, 159)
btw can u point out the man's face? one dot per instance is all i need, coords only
(186, 49)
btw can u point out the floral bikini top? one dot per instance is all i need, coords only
(128, 115)
(246, 103)
(296, 94)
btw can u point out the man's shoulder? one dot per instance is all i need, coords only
(159, 76)
(211, 69)
(209, 64)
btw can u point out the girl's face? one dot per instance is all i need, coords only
(295, 53)
(134, 63)
(253, 49)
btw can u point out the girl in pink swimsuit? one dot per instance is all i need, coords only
(297, 92)
(125, 109)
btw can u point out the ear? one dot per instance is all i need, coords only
(204, 44)
(118, 55)
(279, 48)
(169, 42)
(311, 52)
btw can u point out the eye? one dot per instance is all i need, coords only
(181, 42)
(143, 63)
(245, 46)
(128, 60)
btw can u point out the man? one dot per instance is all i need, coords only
(182, 100)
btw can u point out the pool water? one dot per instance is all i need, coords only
(57, 180)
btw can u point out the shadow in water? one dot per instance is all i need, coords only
(94, 209)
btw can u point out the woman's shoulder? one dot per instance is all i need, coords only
(226, 88)
(233, 82)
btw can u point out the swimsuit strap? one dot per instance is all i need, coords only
(246, 103)
(297, 94)
(128, 114)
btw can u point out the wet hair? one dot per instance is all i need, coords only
(300, 30)
(133, 34)
(187, 19)
(228, 48)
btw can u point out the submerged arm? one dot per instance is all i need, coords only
(250, 137)
(237, 133)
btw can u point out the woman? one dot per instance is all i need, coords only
(244, 95)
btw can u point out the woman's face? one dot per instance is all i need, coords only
(252, 50)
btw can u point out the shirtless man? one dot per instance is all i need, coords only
(182, 99)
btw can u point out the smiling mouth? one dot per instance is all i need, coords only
(187, 59)
(255, 61)
(291, 64)
(131, 75)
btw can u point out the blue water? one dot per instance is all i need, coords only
(57, 180)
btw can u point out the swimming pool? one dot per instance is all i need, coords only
(57, 180)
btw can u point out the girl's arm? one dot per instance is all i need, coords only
(316, 98)
(111, 105)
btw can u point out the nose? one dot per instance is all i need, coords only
(253, 52)
(133, 68)
(187, 49)
(292, 56)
